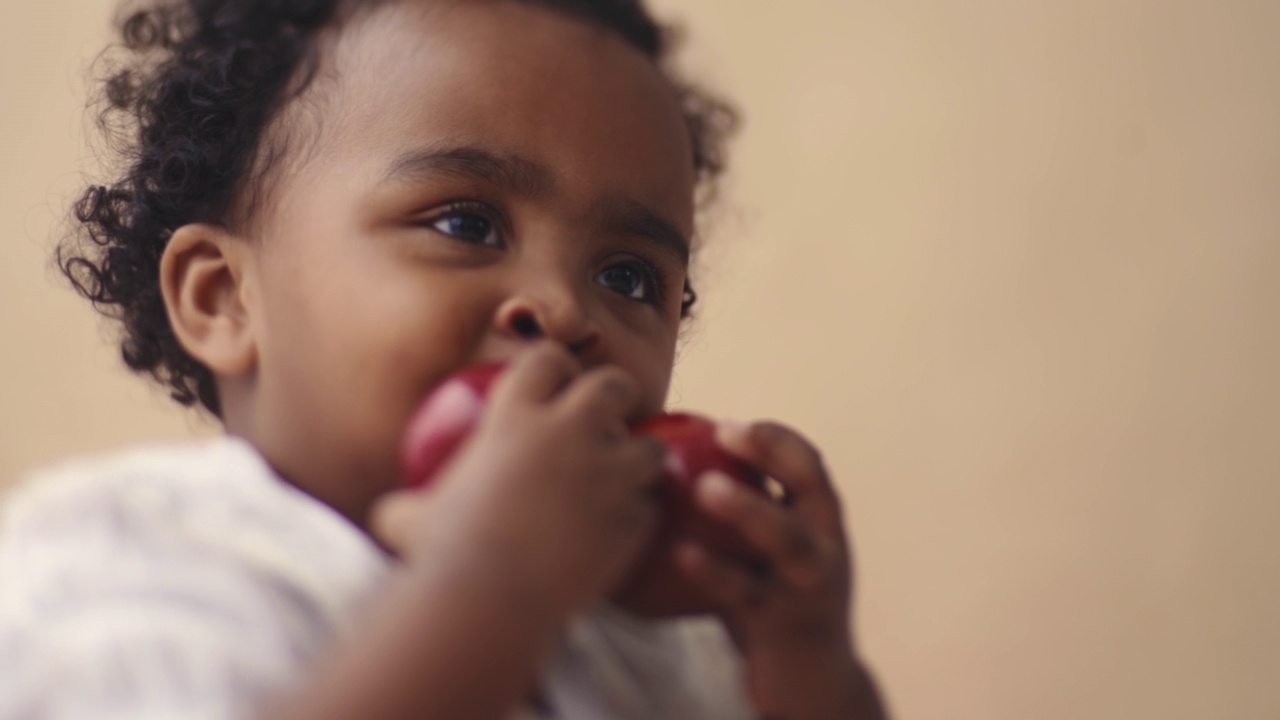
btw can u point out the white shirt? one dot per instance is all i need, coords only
(191, 582)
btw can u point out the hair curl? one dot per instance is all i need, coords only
(189, 108)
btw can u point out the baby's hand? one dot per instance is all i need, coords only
(790, 616)
(551, 497)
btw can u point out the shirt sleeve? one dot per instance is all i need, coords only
(110, 610)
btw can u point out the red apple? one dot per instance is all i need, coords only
(656, 587)
(454, 407)
(443, 421)
(692, 449)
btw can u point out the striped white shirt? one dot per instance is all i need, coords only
(191, 582)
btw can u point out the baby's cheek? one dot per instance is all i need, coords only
(654, 377)
(411, 356)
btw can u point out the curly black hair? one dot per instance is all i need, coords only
(189, 107)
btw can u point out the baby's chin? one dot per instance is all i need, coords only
(658, 590)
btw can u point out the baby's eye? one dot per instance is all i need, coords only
(468, 226)
(630, 280)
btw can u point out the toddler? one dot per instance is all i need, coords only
(327, 207)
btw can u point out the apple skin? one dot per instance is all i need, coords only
(453, 409)
(443, 421)
(655, 587)
(692, 450)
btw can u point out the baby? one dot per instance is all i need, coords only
(328, 208)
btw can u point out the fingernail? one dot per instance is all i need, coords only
(716, 486)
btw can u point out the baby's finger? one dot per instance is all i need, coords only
(643, 457)
(797, 555)
(607, 395)
(536, 375)
(787, 457)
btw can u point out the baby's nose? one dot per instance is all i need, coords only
(528, 320)
(525, 325)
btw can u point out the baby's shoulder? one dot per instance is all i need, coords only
(172, 581)
(144, 493)
(140, 483)
(203, 512)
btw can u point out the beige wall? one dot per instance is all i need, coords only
(1013, 264)
(61, 387)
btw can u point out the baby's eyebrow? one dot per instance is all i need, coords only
(515, 174)
(631, 218)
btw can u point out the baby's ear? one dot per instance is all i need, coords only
(204, 276)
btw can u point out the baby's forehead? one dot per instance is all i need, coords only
(533, 96)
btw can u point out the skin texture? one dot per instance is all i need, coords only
(494, 181)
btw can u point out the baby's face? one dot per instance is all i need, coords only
(482, 173)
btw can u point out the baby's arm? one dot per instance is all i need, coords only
(539, 515)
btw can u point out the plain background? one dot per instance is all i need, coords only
(1015, 266)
